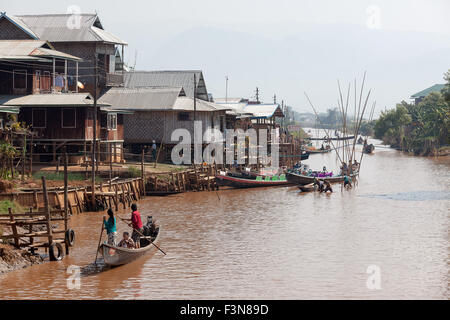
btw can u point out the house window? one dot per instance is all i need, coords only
(112, 121)
(69, 117)
(20, 79)
(103, 120)
(183, 116)
(39, 118)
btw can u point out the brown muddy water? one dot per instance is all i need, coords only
(277, 243)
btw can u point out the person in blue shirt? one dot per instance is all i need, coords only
(347, 182)
(111, 227)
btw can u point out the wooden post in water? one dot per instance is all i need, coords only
(13, 228)
(47, 211)
(143, 169)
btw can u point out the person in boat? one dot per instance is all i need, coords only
(327, 186)
(344, 168)
(347, 182)
(127, 242)
(350, 167)
(355, 166)
(111, 227)
(322, 147)
(136, 224)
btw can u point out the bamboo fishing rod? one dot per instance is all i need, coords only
(359, 109)
(326, 131)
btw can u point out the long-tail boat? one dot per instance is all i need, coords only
(116, 256)
(300, 179)
(251, 182)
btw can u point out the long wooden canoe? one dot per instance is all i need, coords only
(235, 182)
(300, 179)
(307, 187)
(117, 256)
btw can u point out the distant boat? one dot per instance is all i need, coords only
(368, 148)
(334, 139)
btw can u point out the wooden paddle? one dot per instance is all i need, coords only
(131, 226)
(99, 240)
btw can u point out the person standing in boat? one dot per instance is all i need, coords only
(111, 227)
(136, 223)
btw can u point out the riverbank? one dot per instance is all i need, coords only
(14, 259)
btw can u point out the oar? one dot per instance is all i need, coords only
(99, 240)
(129, 224)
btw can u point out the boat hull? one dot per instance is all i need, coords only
(302, 180)
(116, 256)
(235, 182)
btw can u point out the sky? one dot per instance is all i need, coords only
(153, 28)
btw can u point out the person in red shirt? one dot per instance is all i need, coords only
(137, 225)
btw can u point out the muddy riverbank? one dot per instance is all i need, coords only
(13, 259)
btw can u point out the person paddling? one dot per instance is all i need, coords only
(136, 223)
(111, 227)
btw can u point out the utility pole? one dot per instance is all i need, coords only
(195, 96)
(226, 89)
(94, 137)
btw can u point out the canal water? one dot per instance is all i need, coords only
(277, 243)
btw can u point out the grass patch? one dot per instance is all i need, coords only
(71, 176)
(5, 204)
(134, 172)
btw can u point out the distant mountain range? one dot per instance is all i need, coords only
(310, 59)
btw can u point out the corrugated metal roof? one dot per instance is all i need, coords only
(154, 99)
(51, 99)
(141, 98)
(187, 104)
(67, 28)
(263, 110)
(176, 78)
(424, 93)
(19, 23)
(16, 49)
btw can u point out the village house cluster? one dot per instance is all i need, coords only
(53, 78)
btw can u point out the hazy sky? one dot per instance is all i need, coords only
(149, 25)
